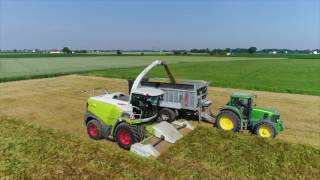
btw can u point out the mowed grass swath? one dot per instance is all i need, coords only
(279, 75)
(24, 68)
(30, 151)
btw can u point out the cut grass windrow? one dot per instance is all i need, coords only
(29, 151)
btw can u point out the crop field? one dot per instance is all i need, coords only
(24, 68)
(270, 74)
(279, 75)
(43, 136)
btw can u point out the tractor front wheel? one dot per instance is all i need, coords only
(94, 129)
(127, 134)
(265, 129)
(228, 121)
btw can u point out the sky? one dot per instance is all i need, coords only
(159, 24)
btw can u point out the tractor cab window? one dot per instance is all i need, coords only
(240, 102)
(243, 104)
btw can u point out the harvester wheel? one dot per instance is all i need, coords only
(265, 129)
(127, 134)
(94, 129)
(167, 114)
(228, 121)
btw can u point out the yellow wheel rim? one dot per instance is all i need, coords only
(265, 131)
(226, 123)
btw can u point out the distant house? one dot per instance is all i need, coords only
(55, 51)
(273, 52)
(315, 52)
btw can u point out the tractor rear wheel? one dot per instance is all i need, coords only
(94, 129)
(127, 134)
(167, 114)
(228, 121)
(265, 129)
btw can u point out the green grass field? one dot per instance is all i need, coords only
(33, 152)
(280, 75)
(24, 68)
(255, 73)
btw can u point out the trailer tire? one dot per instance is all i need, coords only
(128, 134)
(94, 129)
(166, 114)
(228, 121)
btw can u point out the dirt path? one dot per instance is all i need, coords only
(59, 103)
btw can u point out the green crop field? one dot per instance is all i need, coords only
(33, 152)
(279, 75)
(24, 68)
(271, 74)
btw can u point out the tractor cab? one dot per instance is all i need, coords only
(243, 102)
(145, 101)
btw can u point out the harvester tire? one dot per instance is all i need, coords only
(265, 129)
(167, 114)
(128, 134)
(94, 129)
(228, 121)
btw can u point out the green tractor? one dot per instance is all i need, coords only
(241, 114)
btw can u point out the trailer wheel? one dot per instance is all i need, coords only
(265, 129)
(167, 114)
(94, 129)
(127, 134)
(228, 121)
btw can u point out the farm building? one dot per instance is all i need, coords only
(273, 52)
(55, 51)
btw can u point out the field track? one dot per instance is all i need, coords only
(60, 103)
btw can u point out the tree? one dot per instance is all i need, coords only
(227, 50)
(119, 52)
(66, 50)
(176, 52)
(252, 50)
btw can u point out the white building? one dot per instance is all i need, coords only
(273, 52)
(55, 51)
(315, 52)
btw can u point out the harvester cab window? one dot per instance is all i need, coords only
(137, 100)
(153, 100)
(148, 104)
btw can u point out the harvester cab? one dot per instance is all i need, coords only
(146, 101)
(240, 113)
